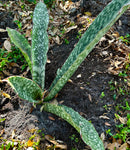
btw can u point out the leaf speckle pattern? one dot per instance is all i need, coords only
(20, 41)
(84, 127)
(39, 43)
(85, 45)
(26, 88)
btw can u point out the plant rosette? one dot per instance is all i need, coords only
(36, 57)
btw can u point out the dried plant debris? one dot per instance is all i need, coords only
(121, 61)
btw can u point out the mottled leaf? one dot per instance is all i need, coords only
(84, 127)
(39, 43)
(20, 41)
(85, 45)
(25, 88)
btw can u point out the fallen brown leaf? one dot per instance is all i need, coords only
(6, 73)
(51, 118)
(116, 34)
(71, 28)
(12, 64)
(104, 117)
(2, 132)
(102, 136)
(112, 146)
(124, 146)
(57, 145)
(107, 124)
(122, 119)
(28, 33)
(90, 97)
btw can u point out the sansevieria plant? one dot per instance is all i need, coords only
(36, 57)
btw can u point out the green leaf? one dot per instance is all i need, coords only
(25, 88)
(20, 41)
(2, 120)
(84, 127)
(39, 43)
(85, 45)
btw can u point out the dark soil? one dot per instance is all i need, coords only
(6, 20)
(82, 93)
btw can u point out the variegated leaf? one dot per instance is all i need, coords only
(84, 127)
(20, 41)
(25, 88)
(85, 45)
(39, 43)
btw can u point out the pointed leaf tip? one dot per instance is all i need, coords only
(40, 43)
(21, 42)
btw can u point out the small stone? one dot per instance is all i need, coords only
(79, 76)
(105, 53)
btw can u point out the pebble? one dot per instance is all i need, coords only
(105, 53)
